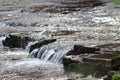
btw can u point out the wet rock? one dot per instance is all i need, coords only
(16, 41)
(16, 24)
(63, 32)
(79, 49)
(96, 70)
(66, 6)
(112, 47)
(69, 60)
(107, 56)
(41, 43)
(112, 75)
(110, 61)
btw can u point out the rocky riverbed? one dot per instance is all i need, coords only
(69, 22)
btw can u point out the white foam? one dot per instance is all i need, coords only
(33, 64)
(107, 20)
(1, 39)
(49, 53)
(29, 45)
(19, 52)
(2, 24)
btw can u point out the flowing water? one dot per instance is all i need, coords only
(49, 53)
(95, 26)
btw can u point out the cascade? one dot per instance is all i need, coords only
(1, 39)
(49, 53)
(29, 45)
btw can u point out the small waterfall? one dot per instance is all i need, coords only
(49, 53)
(29, 45)
(1, 39)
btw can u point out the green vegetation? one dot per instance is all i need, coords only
(116, 77)
(117, 2)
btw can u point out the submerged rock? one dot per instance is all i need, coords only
(41, 43)
(16, 41)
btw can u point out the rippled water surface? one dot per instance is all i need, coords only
(98, 25)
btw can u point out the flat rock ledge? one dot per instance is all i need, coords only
(97, 61)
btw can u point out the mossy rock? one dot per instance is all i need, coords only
(85, 68)
(41, 43)
(96, 70)
(116, 77)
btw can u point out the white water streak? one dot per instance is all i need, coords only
(29, 45)
(49, 53)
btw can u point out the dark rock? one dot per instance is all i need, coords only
(66, 6)
(41, 43)
(96, 70)
(110, 61)
(112, 75)
(82, 49)
(16, 24)
(110, 45)
(100, 59)
(71, 79)
(67, 61)
(79, 49)
(16, 41)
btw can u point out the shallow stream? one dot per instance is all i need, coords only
(95, 26)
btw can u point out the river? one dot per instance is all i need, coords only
(89, 27)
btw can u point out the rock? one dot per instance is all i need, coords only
(110, 47)
(100, 59)
(41, 43)
(16, 41)
(79, 49)
(112, 75)
(66, 6)
(110, 61)
(69, 60)
(96, 70)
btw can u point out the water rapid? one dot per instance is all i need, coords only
(89, 27)
(49, 53)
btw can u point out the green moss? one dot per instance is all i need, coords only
(116, 77)
(96, 70)
(117, 2)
